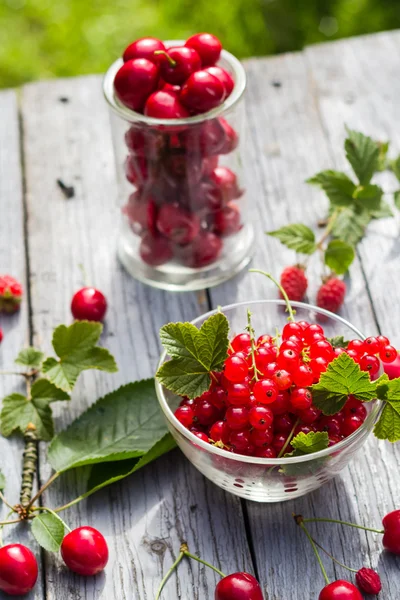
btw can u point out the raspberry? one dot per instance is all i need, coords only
(368, 581)
(331, 294)
(294, 282)
(10, 294)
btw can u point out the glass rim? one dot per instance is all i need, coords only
(130, 115)
(359, 433)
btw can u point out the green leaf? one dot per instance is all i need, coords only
(30, 357)
(195, 353)
(18, 412)
(350, 225)
(297, 237)
(2, 481)
(383, 212)
(42, 389)
(388, 426)
(48, 531)
(342, 378)
(363, 154)
(338, 342)
(383, 152)
(338, 187)
(396, 197)
(124, 424)
(307, 443)
(368, 197)
(395, 167)
(77, 351)
(338, 256)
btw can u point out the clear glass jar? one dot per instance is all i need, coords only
(182, 190)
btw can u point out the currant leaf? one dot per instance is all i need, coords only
(342, 378)
(363, 153)
(388, 426)
(337, 186)
(338, 342)
(30, 357)
(307, 443)
(383, 152)
(339, 256)
(297, 237)
(368, 197)
(195, 353)
(350, 224)
(122, 425)
(48, 531)
(18, 412)
(76, 349)
(395, 167)
(396, 197)
(2, 481)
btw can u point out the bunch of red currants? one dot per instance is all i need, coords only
(184, 202)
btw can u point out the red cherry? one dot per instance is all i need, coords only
(88, 304)
(143, 48)
(155, 250)
(1, 335)
(227, 221)
(136, 169)
(135, 81)
(144, 142)
(225, 78)
(391, 538)
(18, 569)
(226, 183)
(84, 551)
(165, 105)
(204, 250)
(177, 64)
(207, 46)
(141, 211)
(202, 92)
(177, 224)
(340, 590)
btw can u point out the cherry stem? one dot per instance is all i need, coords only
(171, 61)
(253, 347)
(289, 439)
(323, 520)
(333, 558)
(203, 562)
(314, 547)
(282, 291)
(52, 512)
(329, 226)
(42, 489)
(2, 498)
(15, 373)
(2, 523)
(169, 573)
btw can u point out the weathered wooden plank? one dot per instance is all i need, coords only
(15, 327)
(287, 144)
(147, 517)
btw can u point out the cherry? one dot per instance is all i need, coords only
(301, 399)
(231, 139)
(202, 92)
(84, 551)
(226, 184)
(261, 417)
(236, 369)
(143, 142)
(265, 391)
(391, 538)
(207, 46)
(185, 415)
(177, 224)
(165, 105)
(135, 81)
(143, 48)
(227, 221)
(136, 169)
(340, 590)
(18, 569)
(89, 304)
(237, 417)
(204, 250)
(154, 250)
(178, 63)
(225, 78)
(141, 211)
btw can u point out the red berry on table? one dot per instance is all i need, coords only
(204, 250)
(155, 250)
(235, 369)
(294, 282)
(177, 224)
(370, 364)
(135, 81)
(202, 92)
(89, 304)
(144, 48)
(368, 581)
(207, 46)
(10, 294)
(331, 294)
(177, 64)
(391, 538)
(84, 551)
(340, 590)
(388, 354)
(165, 105)
(225, 78)
(265, 391)
(238, 586)
(18, 569)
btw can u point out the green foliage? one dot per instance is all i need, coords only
(124, 424)
(194, 354)
(338, 342)
(30, 357)
(363, 153)
(308, 443)
(48, 531)
(338, 256)
(2, 481)
(388, 426)
(350, 224)
(296, 237)
(337, 186)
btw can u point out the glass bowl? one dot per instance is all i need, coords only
(259, 479)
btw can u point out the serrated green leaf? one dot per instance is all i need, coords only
(342, 378)
(77, 351)
(383, 212)
(195, 353)
(363, 154)
(338, 256)
(30, 357)
(396, 198)
(18, 412)
(124, 424)
(395, 167)
(43, 389)
(307, 443)
(297, 237)
(338, 342)
(368, 197)
(338, 186)
(2, 481)
(388, 426)
(48, 531)
(350, 225)
(383, 152)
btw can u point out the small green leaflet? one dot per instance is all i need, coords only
(383, 152)
(342, 378)
(395, 166)
(194, 354)
(30, 357)
(350, 224)
(2, 481)
(297, 237)
(77, 351)
(363, 154)
(48, 531)
(304, 444)
(388, 426)
(383, 212)
(368, 197)
(338, 187)
(338, 256)
(338, 342)
(396, 197)
(124, 424)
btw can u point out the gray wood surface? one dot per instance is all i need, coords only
(293, 131)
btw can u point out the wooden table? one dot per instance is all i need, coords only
(297, 106)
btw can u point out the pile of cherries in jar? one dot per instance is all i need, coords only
(183, 205)
(255, 415)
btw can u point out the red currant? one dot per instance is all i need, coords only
(321, 348)
(283, 423)
(236, 369)
(265, 391)
(279, 442)
(264, 339)
(331, 425)
(292, 329)
(371, 345)
(270, 370)
(338, 351)
(357, 346)
(355, 407)
(219, 432)
(264, 356)
(281, 404)
(202, 436)
(241, 343)
(261, 417)
(89, 304)
(288, 360)
(303, 376)
(388, 353)
(290, 345)
(300, 399)
(185, 415)
(18, 569)
(84, 551)
(319, 365)
(261, 438)
(350, 424)
(218, 397)
(391, 525)
(311, 330)
(282, 379)
(340, 590)
(205, 412)
(240, 440)
(303, 325)
(383, 340)
(238, 393)
(237, 417)
(370, 364)
(265, 452)
(354, 355)
(310, 415)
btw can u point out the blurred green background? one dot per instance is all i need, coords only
(55, 38)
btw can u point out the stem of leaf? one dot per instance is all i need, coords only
(73, 502)
(253, 348)
(14, 373)
(168, 574)
(52, 512)
(43, 489)
(2, 498)
(323, 520)
(282, 291)
(314, 547)
(289, 439)
(331, 222)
